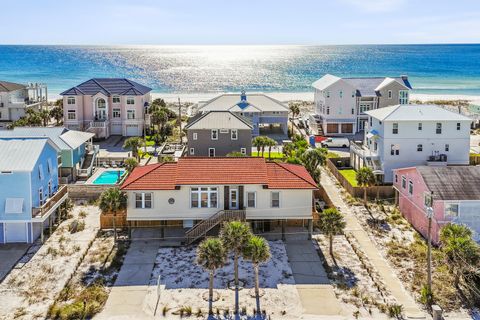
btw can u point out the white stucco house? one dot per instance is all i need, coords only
(201, 193)
(404, 136)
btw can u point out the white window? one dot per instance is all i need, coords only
(14, 205)
(214, 134)
(353, 94)
(41, 198)
(116, 113)
(71, 100)
(394, 150)
(275, 199)
(204, 197)
(50, 188)
(71, 114)
(130, 114)
(419, 126)
(234, 134)
(459, 125)
(195, 136)
(438, 128)
(396, 178)
(447, 147)
(130, 100)
(211, 152)
(395, 128)
(390, 95)
(328, 110)
(451, 209)
(224, 130)
(419, 147)
(49, 166)
(328, 94)
(192, 151)
(40, 172)
(116, 99)
(353, 110)
(410, 187)
(243, 150)
(251, 199)
(143, 200)
(404, 182)
(341, 94)
(403, 97)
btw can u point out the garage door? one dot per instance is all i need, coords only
(116, 129)
(132, 130)
(347, 127)
(16, 232)
(332, 128)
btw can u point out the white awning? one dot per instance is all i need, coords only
(14, 205)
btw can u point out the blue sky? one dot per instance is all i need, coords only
(239, 22)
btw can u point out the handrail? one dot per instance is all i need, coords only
(201, 228)
(42, 210)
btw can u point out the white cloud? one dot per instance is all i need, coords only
(376, 6)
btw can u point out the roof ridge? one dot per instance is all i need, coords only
(93, 79)
(292, 164)
(154, 166)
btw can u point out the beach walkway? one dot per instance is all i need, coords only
(392, 283)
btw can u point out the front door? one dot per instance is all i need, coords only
(234, 199)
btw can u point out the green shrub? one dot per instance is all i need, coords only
(395, 311)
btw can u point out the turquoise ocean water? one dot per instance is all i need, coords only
(442, 69)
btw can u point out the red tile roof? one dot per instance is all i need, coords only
(223, 171)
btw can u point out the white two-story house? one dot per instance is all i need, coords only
(341, 103)
(107, 106)
(404, 136)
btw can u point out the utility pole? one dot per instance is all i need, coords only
(429, 214)
(180, 119)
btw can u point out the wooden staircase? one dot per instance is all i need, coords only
(200, 229)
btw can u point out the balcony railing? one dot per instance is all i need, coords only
(55, 199)
(437, 158)
(362, 151)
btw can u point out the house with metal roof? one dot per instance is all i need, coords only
(16, 98)
(341, 103)
(77, 153)
(218, 133)
(107, 106)
(198, 194)
(404, 136)
(29, 188)
(449, 194)
(268, 116)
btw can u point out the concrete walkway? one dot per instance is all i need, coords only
(316, 293)
(127, 296)
(9, 255)
(392, 283)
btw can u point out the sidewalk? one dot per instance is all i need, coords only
(393, 284)
(314, 288)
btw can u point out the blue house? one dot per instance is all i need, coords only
(29, 189)
(77, 153)
(268, 116)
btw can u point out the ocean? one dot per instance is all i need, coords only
(432, 69)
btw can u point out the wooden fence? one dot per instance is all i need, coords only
(475, 159)
(106, 220)
(384, 192)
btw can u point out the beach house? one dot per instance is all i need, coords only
(267, 115)
(453, 193)
(16, 98)
(77, 153)
(218, 133)
(341, 103)
(107, 106)
(199, 193)
(29, 189)
(405, 136)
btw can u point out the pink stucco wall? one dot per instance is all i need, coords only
(412, 206)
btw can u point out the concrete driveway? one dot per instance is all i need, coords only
(9, 255)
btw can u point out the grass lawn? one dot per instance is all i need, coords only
(332, 155)
(273, 154)
(350, 174)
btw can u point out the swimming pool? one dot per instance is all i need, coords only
(109, 177)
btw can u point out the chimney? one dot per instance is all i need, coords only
(243, 96)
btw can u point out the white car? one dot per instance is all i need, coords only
(335, 143)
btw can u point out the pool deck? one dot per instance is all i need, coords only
(98, 172)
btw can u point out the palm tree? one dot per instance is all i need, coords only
(112, 201)
(259, 143)
(312, 159)
(235, 236)
(44, 114)
(133, 143)
(365, 178)
(269, 142)
(211, 255)
(331, 223)
(295, 110)
(130, 164)
(57, 114)
(257, 251)
(460, 249)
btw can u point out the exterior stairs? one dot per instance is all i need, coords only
(200, 229)
(88, 161)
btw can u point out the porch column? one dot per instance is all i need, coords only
(310, 229)
(50, 225)
(396, 198)
(41, 233)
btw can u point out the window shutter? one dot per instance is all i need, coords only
(226, 197)
(50, 168)
(240, 198)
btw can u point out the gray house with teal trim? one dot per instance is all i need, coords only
(267, 115)
(76, 155)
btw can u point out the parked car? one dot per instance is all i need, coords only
(335, 143)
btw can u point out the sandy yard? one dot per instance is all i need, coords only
(28, 292)
(180, 274)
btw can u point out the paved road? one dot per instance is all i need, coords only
(314, 288)
(9, 255)
(393, 284)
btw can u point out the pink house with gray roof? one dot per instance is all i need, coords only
(455, 194)
(106, 106)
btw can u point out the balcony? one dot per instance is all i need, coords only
(362, 151)
(437, 160)
(51, 204)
